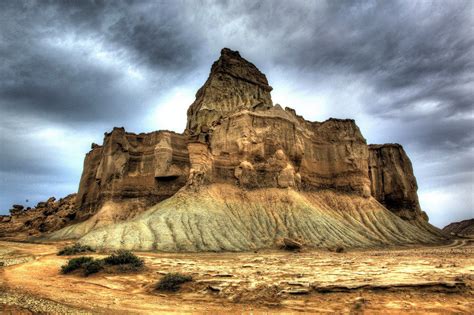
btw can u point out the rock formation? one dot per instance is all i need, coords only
(134, 171)
(233, 85)
(294, 178)
(462, 228)
(223, 217)
(392, 181)
(47, 216)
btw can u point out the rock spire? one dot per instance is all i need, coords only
(234, 84)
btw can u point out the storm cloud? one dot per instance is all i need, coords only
(72, 70)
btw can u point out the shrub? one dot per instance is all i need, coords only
(93, 266)
(172, 282)
(124, 257)
(75, 249)
(75, 263)
(121, 261)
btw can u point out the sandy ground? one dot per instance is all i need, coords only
(435, 280)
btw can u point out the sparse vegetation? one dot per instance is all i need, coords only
(172, 282)
(75, 249)
(121, 261)
(93, 266)
(124, 257)
(75, 264)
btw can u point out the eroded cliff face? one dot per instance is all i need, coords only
(272, 148)
(234, 84)
(47, 216)
(141, 169)
(236, 136)
(392, 181)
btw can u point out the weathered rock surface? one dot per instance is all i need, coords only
(243, 174)
(465, 228)
(139, 169)
(47, 216)
(233, 85)
(222, 217)
(392, 181)
(246, 143)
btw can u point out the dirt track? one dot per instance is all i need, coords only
(416, 279)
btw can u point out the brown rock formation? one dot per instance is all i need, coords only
(47, 216)
(392, 181)
(234, 135)
(237, 141)
(233, 85)
(142, 169)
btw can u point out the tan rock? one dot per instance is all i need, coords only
(146, 168)
(234, 84)
(392, 180)
(299, 171)
(48, 216)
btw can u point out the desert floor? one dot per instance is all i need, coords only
(435, 279)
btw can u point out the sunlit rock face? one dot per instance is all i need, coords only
(235, 135)
(145, 168)
(238, 143)
(234, 84)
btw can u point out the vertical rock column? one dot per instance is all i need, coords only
(392, 180)
(201, 164)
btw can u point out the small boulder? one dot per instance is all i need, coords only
(290, 244)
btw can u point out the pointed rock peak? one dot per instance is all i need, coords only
(232, 63)
(234, 84)
(230, 52)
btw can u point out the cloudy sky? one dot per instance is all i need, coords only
(71, 70)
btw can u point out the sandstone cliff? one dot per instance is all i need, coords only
(288, 177)
(132, 171)
(392, 181)
(234, 84)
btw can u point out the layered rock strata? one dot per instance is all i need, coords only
(142, 169)
(235, 137)
(222, 217)
(234, 84)
(392, 181)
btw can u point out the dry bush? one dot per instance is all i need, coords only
(75, 264)
(172, 282)
(121, 261)
(75, 249)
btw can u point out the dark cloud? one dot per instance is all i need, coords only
(403, 69)
(81, 60)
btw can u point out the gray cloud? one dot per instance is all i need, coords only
(403, 69)
(75, 60)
